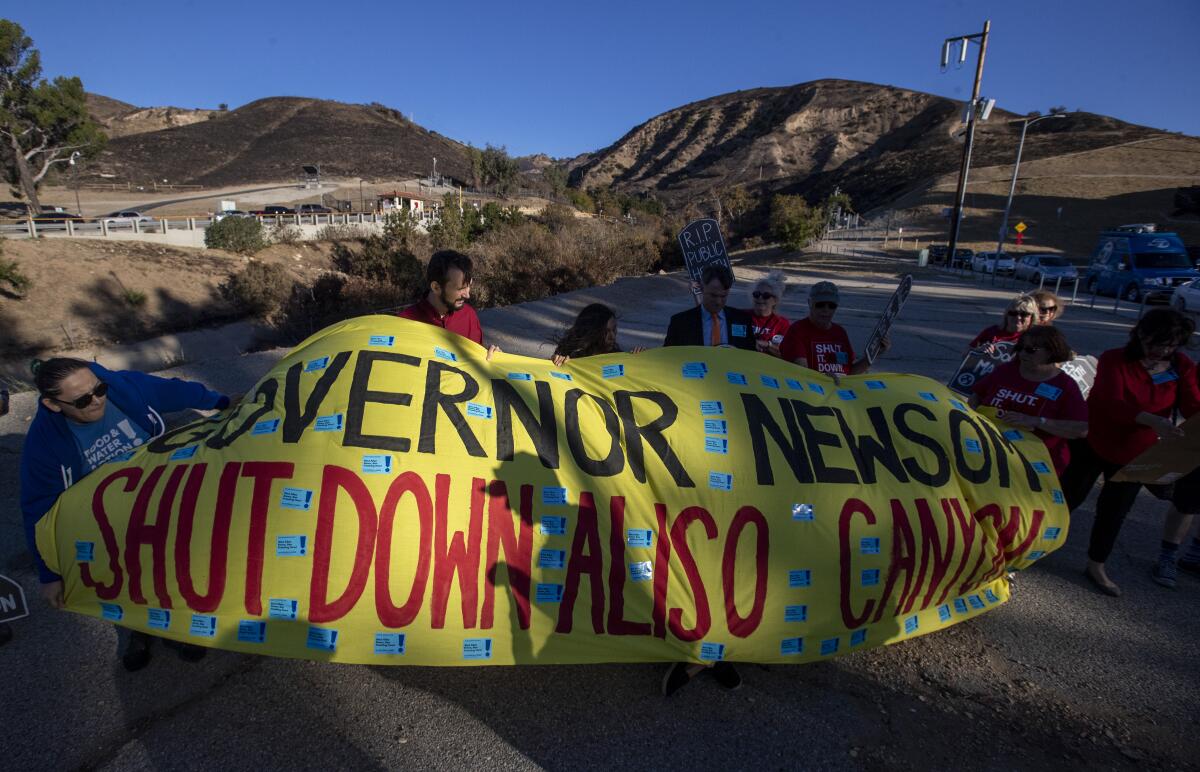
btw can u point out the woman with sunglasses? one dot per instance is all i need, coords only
(1018, 317)
(1032, 393)
(89, 416)
(1049, 308)
(1138, 388)
(769, 327)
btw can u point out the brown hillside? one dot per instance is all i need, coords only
(121, 119)
(270, 140)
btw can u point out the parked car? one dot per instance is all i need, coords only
(56, 217)
(1130, 262)
(127, 217)
(218, 216)
(962, 258)
(269, 211)
(990, 262)
(313, 209)
(1049, 268)
(1186, 297)
(937, 254)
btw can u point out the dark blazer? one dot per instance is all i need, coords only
(686, 328)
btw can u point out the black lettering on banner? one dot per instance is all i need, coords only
(939, 476)
(758, 419)
(817, 439)
(1003, 445)
(181, 437)
(361, 394)
(868, 450)
(974, 476)
(543, 431)
(652, 434)
(435, 398)
(611, 464)
(267, 389)
(295, 422)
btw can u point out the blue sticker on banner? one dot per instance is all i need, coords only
(203, 626)
(847, 394)
(716, 445)
(329, 423)
(552, 495)
(554, 525)
(928, 396)
(1012, 435)
(712, 652)
(252, 631)
(960, 605)
(790, 646)
(1166, 376)
(1036, 554)
(612, 371)
(794, 384)
(389, 643)
(1057, 497)
(561, 376)
(1052, 532)
(291, 546)
(829, 646)
(282, 608)
(639, 537)
(549, 593)
(991, 596)
(737, 379)
(803, 512)
(769, 381)
(800, 577)
(158, 618)
(442, 353)
(479, 411)
(954, 403)
(183, 453)
(911, 624)
(870, 577)
(321, 638)
(377, 464)
(1051, 393)
(944, 612)
(716, 426)
(641, 571)
(296, 498)
(85, 551)
(111, 612)
(520, 377)
(552, 558)
(876, 385)
(721, 481)
(975, 601)
(381, 340)
(858, 637)
(711, 407)
(477, 648)
(270, 426)
(795, 613)
(869, 545)
(316, 364)
(816, 387)
(694, 370)
(972, 446)
(1041, 467)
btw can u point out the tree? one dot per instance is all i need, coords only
(475, 159)
(41, 123)
(556, 178)
(450, 231)
(223, 107)
(500, 171)
(793, 222)
(735, 202)
(1057, 109)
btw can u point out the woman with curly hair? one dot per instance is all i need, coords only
(593, 332)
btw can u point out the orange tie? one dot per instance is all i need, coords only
(715, 338)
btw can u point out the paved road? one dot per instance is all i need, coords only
(1059, 677)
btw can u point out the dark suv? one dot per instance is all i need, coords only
(313, 209)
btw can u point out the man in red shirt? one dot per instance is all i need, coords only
(445, 304)
(817, 343)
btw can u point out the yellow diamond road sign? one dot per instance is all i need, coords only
(1020, 227)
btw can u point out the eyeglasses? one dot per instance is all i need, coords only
(1022, 314)
(1047, 309)
(83, 400)
(761, 295)
(826, 304)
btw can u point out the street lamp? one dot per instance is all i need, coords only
(961, 193)
(433, 179)
(75, 174)
(1012, 188)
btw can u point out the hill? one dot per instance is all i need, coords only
(121, 119)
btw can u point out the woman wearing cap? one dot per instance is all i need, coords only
(89, 416)
(819, 343)
(1018, 317)
(769, 327)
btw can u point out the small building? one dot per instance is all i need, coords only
(418, 205)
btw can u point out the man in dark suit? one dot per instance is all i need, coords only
(712, 323)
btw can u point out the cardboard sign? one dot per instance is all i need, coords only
(702, 246)
(889, 315)
(1166, 460)
(12, 600)
(980, 363)
(1083, 370)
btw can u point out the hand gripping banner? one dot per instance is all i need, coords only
(384, 495)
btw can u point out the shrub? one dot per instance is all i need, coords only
(377, 260)
(10, 275)
(285, 233)
(332, 298)
(260, 288)
(336, 233)
(557, 217)
(243, 235)
(793, 222)
(135, 298)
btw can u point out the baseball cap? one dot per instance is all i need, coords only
(823, 291)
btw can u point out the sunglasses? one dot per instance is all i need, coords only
(826, 304)
(1021, 314)
(1047, 309)
(761, 295)
(83, 400)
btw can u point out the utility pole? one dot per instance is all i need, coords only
(968, 144)
(1012, 187)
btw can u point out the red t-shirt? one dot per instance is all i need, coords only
(767, 327)
(464, 321)
(827, 351)
(994, 334)
(1056, 399)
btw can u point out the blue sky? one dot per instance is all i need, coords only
(564, 78)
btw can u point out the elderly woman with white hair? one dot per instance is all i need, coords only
(769, 327)
(1020, 315)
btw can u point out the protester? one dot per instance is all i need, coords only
(1018, 317)
(769, 327)
(1130, 407)
(87, 417)
(593, 332)
(444, 304)
(817, 342)
(1049, 307)
(1185, 505)
(1033, 393)
(712, 323)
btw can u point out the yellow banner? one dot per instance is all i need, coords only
(386, 496)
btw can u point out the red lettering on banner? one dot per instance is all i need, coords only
(320, 607)
(617, 623)
(518, 552)
(138, 533)
(741, 626)
(264, 474)
(903, 560)
(389, 614)
(851, 508)
(591, 562)
(934, 554)
(219, 545)
(989, 512)
(109, 591)
(700, 598)
(662, 562)
(459, 557)
(968, 528)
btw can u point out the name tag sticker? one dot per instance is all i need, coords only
(738, 330)
(1041, 467)
(858, 637)
(944, 612)
(203, 626)
(382, 340)
(316, 364)
(991, 596)
(1052, 532)
(329, 423)
(296, 498)
(1057, 497)
(769, 381)
(795, 613)
(479, 411)
(972, 446)
(183, 453)
(911, 624)
(803, 512)
(870, 577)
(1166, 376)
(520, 377)
(928, 396)
(270, 426)
(958, 405)
(794, 384)
(829, 646)
(791, 646)
(612, 371)
(876, 385)
(1051, 393)
(85, 551)
(737, 379)
(252, 631)
(1036, 554)
(321, 638)
(716, 444)
(477, 648)
(389, 643)
(869, 545)
(715, 426)
(553, 525)
(549, 593)
(960, 605)
(639, 537)
(381, 464)
(800, 577)
(642, 571)
(816, 388)
(694, 370)
(291, 546)
(554, 495)
(976, 602)
(712, 652)
(112, 612)
(282, 608)
(552, 558)
(841, 357)
(847, 394)
(158, 618)
(1012, 435)
(720, 481)
(711, 407)
(561, 376)
(442, 353)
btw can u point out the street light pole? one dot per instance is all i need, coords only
(75, 174)
(968, 144)
(1012, 188)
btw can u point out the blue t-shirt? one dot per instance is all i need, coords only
(114, 437)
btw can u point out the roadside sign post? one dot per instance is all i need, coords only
(1020, 229)
(702, 246)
